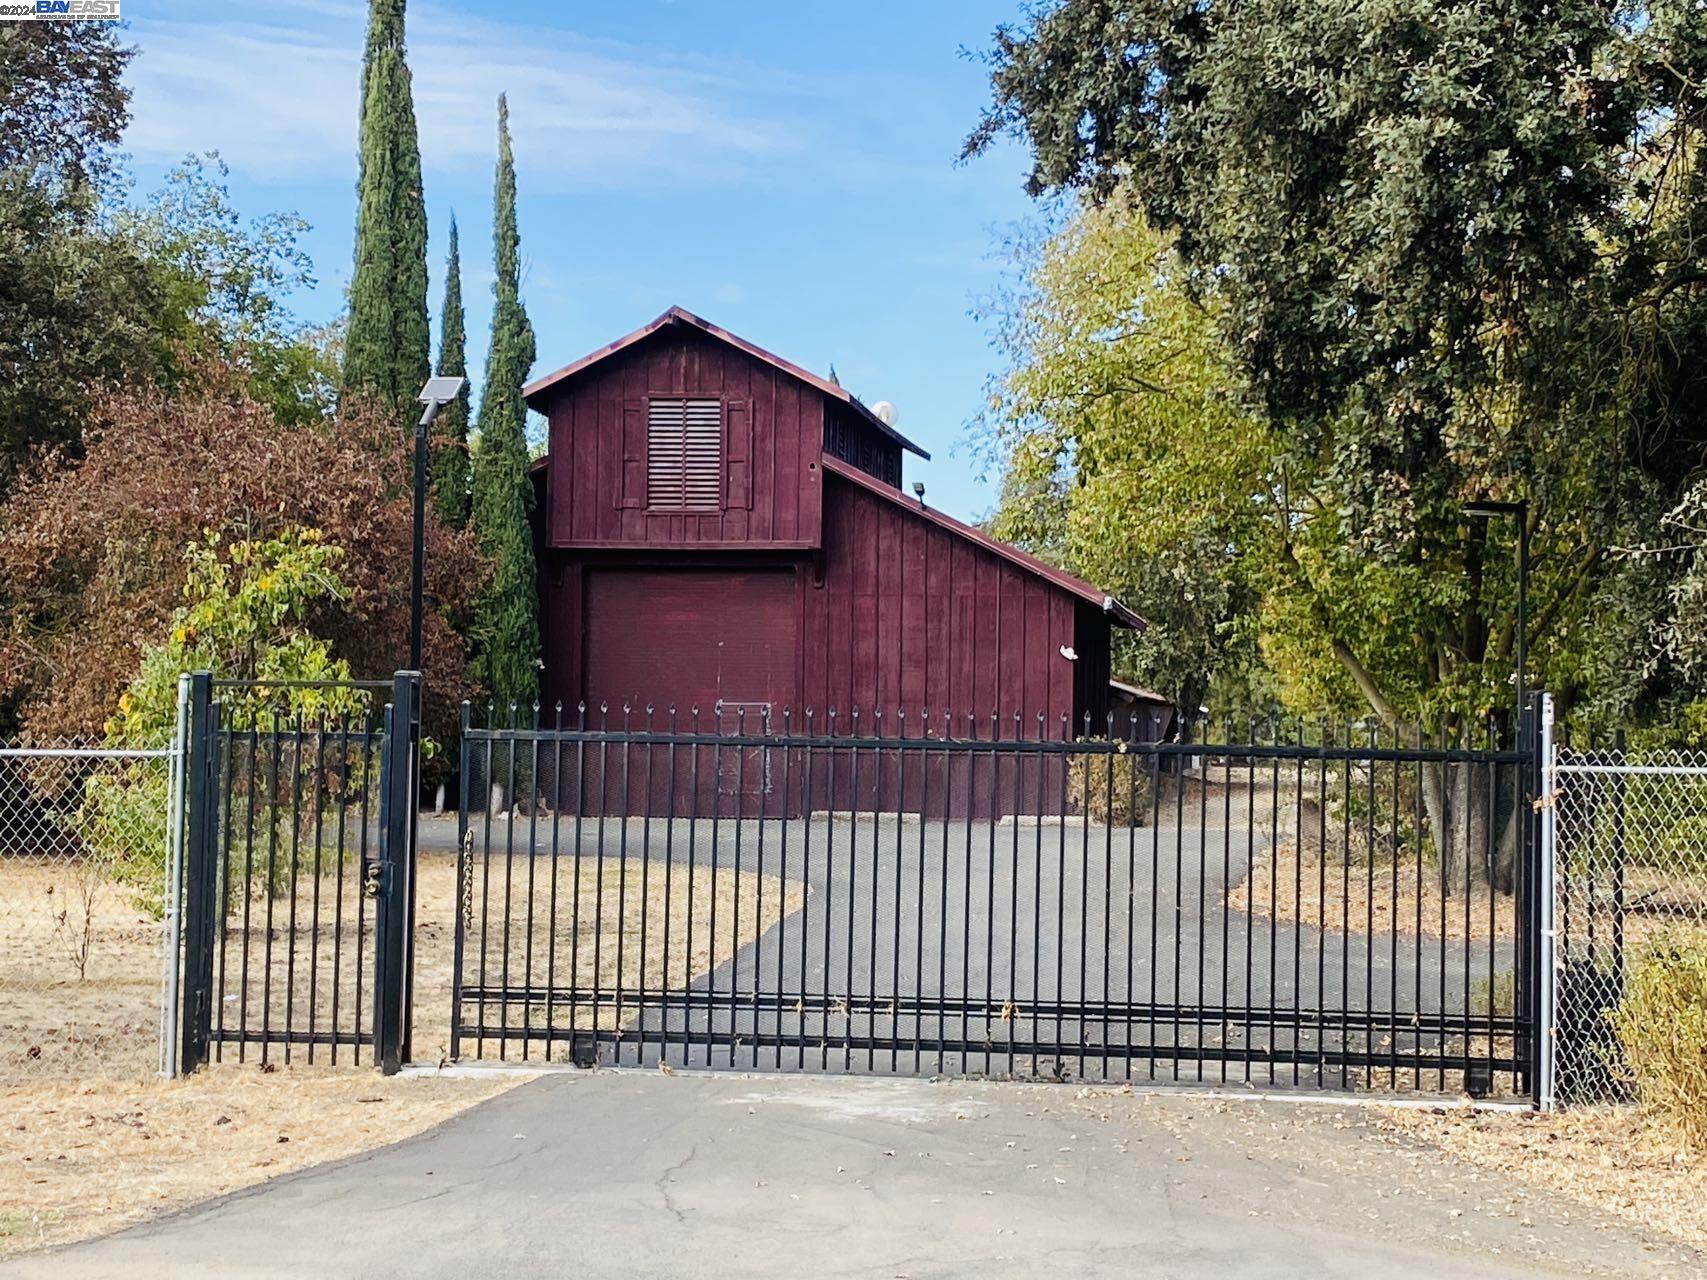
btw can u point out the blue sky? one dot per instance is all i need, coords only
(786, 170)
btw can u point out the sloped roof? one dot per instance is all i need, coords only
(539, 387)
(1059, 577)
(1139, 692)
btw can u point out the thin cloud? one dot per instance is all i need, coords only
(275, 89)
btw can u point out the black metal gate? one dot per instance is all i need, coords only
(1287, 905)
(299, 854)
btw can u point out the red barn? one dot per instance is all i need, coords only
(721, 529)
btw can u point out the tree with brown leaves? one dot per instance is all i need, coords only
(92, 546)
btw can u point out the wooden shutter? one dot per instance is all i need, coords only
(739, 452)
(684, 454)
(702, 455)
(631, 491)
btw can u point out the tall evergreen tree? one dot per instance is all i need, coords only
(387, 349)
(506, 622)
(450, 464)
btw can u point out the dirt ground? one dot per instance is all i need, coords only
(89, 1142)
(1300, 886)
(1607, 1158)
(83, 1159)
(55, 1024)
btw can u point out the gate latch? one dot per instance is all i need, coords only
(376, 878)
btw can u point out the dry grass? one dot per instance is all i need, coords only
(54, 1023)
(1660, 904)
(1302, 886)
(78, 1160)
(1609, 1158)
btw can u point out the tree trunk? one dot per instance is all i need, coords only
(1473, 840)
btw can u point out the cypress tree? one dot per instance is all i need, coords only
(450, 432)
(506, 622)
(387, 348)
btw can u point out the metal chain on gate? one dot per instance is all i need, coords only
(467, 881)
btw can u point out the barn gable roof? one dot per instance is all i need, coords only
(540, 387)
(1031, 564)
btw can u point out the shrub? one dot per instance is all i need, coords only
(1112, 788)
(1661, 1024)
(246, 614)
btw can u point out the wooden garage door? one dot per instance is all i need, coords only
(692, 637)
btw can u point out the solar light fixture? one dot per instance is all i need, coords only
(437, 394)
(919, 491)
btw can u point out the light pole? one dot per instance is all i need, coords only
(1520, 512)
(434, 396)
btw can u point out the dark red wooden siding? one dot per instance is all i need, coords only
(691, 638)
(773, 432)
(851, 438)
(905, 613)
(719, 641)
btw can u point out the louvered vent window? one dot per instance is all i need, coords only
(684, 455)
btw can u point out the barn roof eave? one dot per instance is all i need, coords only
(540, 388)
(1058, 577)
(1138, 691)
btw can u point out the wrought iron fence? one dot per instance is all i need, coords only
(1269, 903)
(1630, 911)
(87, 836)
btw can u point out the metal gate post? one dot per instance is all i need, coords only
(464, 871)
(389, 878)
(1545, 975)
(201, 875)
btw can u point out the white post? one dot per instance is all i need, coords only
(171, 922)
(1548, 976)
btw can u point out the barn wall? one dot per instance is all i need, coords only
(894, 612)
(902, 613)
(560, 641)
(771, 447)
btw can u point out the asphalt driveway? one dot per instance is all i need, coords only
(638, 1174)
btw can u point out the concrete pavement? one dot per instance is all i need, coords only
(638, 1174)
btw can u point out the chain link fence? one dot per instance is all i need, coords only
(87, 835)
(1630, 924)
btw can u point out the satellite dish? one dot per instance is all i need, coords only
(886, 413)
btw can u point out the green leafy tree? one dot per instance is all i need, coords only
(101, 294)
(1453, 251)
(81, 307)
(387, 344)
(63, 101)
(1128, 459)
(450, 465)
(232, 279)
(247, 615)
(506, 620)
